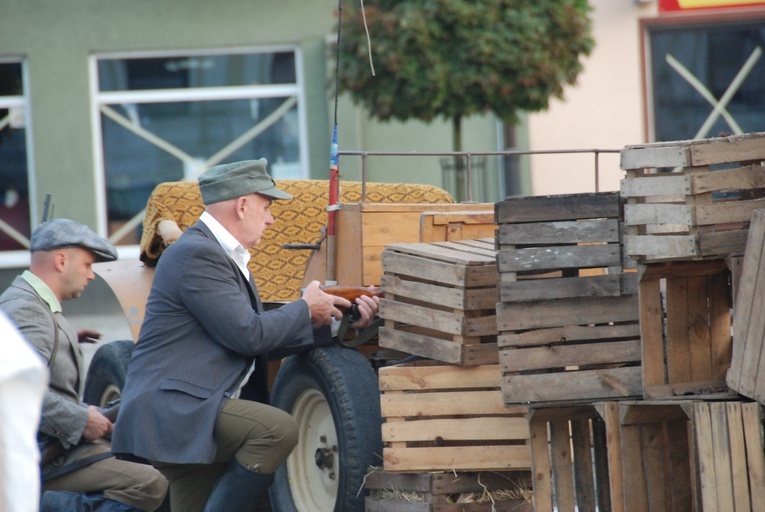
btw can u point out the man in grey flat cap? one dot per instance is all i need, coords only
(62, 254)
(204, 337)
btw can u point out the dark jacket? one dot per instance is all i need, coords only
(204, 325)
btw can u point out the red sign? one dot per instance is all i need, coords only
(690, 5)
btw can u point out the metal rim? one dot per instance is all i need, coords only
(111, 392)
(313, 466)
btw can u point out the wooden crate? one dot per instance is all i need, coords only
(569, 459)
(366, 228)
(450, 418)
(651, 458)
(648, 456)
(685, 323)
(747, 370)
(693, 209)
(568, 317)
(440, 301)
(448, 492)
(448, 226)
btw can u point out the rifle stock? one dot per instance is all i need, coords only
(351, 293)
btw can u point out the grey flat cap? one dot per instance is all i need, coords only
(59, 233)
(228, 181)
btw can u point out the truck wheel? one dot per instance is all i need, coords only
(333, 394)
(106, 374)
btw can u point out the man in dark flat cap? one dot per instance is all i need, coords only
(62, 254)
(204, 332)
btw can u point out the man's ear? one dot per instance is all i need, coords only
(240, 204)
(60, 259)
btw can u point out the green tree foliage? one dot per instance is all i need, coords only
(454, 58)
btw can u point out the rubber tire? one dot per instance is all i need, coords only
(107, 371)
(350, 387)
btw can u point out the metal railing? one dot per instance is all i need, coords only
(470, 155)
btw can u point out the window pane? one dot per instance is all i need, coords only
(14, 176)
(714, 55)
(196, 71)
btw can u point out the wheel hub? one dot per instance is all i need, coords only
(312, 465)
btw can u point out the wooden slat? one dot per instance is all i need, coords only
(633, 473)
(556, 313)
(749, 322)
(571, 333)
(457, 429)
(450, 322)
(722, 456)
(661, 247)
(655, 466)
(722, 243)
(568, 287)
(694, 153)
(702, 421)
(752, 420)
(652, 333)
(563, 232)
(457, 298)
(678, 344)
(633, 157)
(732, 149)
(720, 321)
(541, 469)
(558, 356)
(558, 207)
(558, 257)
(562, 470)
(679, 463)
(656, 185)
(573, 385)
(446, 273)
(741, 178)
(584, 476)
(442, 404)
(458, 458)
(448, 253)
(726, 212)
(441, 377)
(600, 438)
(422, 345)
(646, 213)
(737, 447)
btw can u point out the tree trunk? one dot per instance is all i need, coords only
(460, 165)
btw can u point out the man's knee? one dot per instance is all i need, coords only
(266, 455)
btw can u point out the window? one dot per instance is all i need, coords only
(15, 219)
(706, 79)
(170, 117)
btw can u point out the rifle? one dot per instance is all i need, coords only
(351, 314)
(51, 447)
(352, 293)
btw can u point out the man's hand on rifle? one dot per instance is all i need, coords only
(323, 306)
(97, 425)
(367, 309)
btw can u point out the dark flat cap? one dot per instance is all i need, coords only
(228, 181)
(60, 233)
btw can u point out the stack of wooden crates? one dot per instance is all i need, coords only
(611, 371)
(674, 436)
(450, 443)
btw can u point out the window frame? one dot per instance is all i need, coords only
(218, 93)
(20, 258)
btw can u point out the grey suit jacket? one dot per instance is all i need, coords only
(63, 415)
(203, 326)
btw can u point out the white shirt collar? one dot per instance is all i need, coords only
(233, 248)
